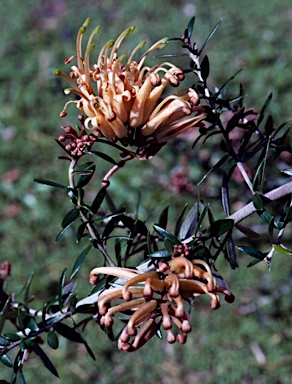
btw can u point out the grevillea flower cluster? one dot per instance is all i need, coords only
(156, 299)
(121, 98)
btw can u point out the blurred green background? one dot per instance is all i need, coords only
(36, 35)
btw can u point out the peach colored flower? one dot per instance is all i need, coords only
(118, 98)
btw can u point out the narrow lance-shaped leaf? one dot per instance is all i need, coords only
(165, 234)
(49, 183)
(225, 195)
(79, 261)
(218, 227)
(84, 179)
(231, 252)
(210, 35)
(104, 156)
(262, 113)
(163, 218)
(60, 289)
(46, 361)
(216, 166)
(179, 221)
(190, 224)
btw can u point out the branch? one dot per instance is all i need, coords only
(273, 195)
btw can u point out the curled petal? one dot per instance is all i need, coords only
(142, 314)
(115, 293)
(172, 283)
(136, 280)
(181, 265)
(124, 273)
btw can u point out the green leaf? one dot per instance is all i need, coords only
(60, 288)
(68, 221)
(166, 235)
(49, 183)
(104, 157)
(231, 252)
(282, 249)
(163, 253)
(70, 217)
(209, 36)
(218, 227)
(205, 68)
(80, 232)
(232, 123)
(216, 166)
(46, 361)
(79, 261)
(190, 27)
(179, 221)
(190, 223)
(84, 179)
(163, 218)
(52, 340)
(6, 361)
(252, 252)
(98, 200)
(168, 246)
(12, 336)
(257, 202)
(21, 378)
(69, 333)
(262, 113)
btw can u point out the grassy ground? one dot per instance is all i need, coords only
(37, 35)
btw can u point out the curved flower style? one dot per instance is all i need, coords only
(156, 298)
(123, 101)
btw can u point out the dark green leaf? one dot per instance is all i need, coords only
(205, 68)
(269, 125)
(104, 157)
(262, 113)
(111, 225)
(52, 339)
(210, 35)
(253, 262)
(231, 252)
(179, 222)
(166, 235)
(80, 232)
(190, 223)
(257, 202)
(160, 254)
(232, 123)
(21, 378)
(88, 349)
(98, 200)
(84, 180)
(49, 183)
(46, 361)
(12, 336)
(69, 333)
(265, 216)
(190, 27)
(70, 217)
(168, 245)
(231, 78)
(6, 361)
(163, 218)
(60, 288)
(79, 261)
(218, 227)
(252, 252)
(216, 166)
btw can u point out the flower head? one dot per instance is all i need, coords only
(156, 299)
(123, 101)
